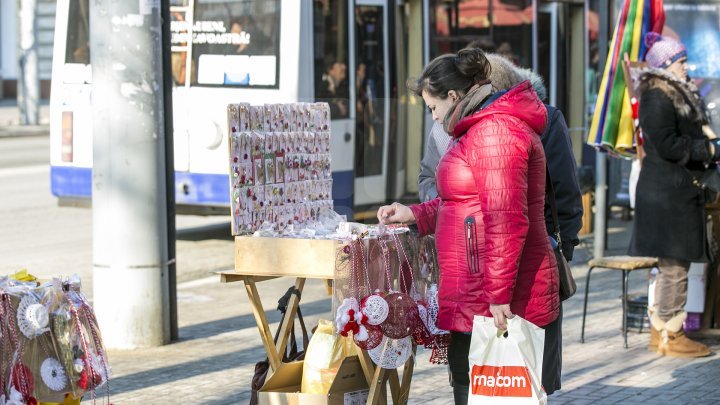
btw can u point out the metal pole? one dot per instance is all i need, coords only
(169, 165)
(28, 85)
(130, 239)
(535, 64)
(553, 51)
(600, 226)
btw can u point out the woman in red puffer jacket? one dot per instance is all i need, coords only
(493, 249)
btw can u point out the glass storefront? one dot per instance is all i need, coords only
(697, 26)
(502, 26)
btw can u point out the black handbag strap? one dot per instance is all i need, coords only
(550, 198)
(282, 307)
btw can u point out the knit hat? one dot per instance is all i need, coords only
(662, 51)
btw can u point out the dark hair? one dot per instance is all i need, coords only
(457, 72)
(330, 61)
(483, 43)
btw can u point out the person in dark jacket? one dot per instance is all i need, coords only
(555, 141)
(670, 217)
(493, 250)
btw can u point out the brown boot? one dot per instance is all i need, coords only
(654, 339)
(674, 343)
(656, 325)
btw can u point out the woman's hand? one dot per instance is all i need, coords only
(709, 133)
(395, 213)
(500, 314)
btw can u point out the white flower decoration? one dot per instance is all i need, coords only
(32, 317)
(391, 353)
(53, 374)
(376, 309)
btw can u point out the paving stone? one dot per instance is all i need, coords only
(214, 360)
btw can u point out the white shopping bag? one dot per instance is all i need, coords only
(506, 368)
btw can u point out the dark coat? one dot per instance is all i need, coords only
(670, 218)
(562, 168)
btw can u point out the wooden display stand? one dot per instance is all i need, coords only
(261, 259)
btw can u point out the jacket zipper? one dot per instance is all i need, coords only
(470, 249)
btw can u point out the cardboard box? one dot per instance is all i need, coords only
(696, 288)
(283, 387)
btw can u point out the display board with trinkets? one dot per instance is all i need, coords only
(279, 165)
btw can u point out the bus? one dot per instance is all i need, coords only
(357, 55)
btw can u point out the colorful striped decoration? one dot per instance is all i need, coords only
(611, 128)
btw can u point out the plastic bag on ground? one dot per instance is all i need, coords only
(323, 358)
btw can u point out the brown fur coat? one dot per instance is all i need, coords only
(683, 94)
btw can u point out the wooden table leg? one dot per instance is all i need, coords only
(377, 377)
(377, 394)
(367, 365)
(394, 382)
(290, 313)
(407, 378)
(262, 324)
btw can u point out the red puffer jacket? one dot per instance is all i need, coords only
(488, 220)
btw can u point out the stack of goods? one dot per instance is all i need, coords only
(279, 165)
(50, 344)
(386, 290)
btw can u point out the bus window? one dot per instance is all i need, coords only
(236, 43)
(331, 55)
(78, 46)
(179, 28)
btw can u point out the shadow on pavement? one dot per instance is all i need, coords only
(164, 375)
(199, 233)
(688, 387)
(235, 323)
(206, 365)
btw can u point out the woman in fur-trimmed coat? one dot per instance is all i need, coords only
(670, 217)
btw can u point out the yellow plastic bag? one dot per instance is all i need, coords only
(323, 358)
(69, 400)
(23, 275)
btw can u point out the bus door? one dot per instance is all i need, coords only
(372, 89)
(332, 75)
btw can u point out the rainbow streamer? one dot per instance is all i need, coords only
(611, 128)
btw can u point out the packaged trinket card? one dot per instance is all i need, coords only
(279, 165)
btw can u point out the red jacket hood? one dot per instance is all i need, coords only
(520, 101)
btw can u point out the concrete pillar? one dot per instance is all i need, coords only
(28, 84)
(130, 223)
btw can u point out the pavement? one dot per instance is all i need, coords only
(213, 362)
(10, 120)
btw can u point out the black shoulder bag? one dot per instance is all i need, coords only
(262, 367)
(567, 282)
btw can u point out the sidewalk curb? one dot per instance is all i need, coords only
(12, 131)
